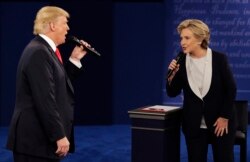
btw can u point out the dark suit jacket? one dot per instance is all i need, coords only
(218, 102)
(44, 104)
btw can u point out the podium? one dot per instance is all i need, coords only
(155, 134)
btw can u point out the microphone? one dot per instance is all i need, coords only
(178, 58)
(79, 43)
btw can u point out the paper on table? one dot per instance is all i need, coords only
(161, 108)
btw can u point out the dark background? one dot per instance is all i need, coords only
(137, 40)
(130, 37)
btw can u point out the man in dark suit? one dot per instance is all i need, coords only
(41, 128)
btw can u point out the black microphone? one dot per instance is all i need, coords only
(79, 43)
(178, 58)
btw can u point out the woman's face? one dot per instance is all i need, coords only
(189, 42)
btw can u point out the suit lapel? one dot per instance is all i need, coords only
(207, 76)
(70, 84)
(207, 73)
(62, 68)
(54, 57)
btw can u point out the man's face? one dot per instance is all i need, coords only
(60, 29)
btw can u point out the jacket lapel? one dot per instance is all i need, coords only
(63, 69)
(207, 75)
(40, 39)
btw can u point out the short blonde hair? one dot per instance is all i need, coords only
(45, 15)
(199, 29)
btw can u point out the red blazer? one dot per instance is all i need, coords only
(44, 104)
(218, 102)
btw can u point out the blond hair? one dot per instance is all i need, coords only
(199, 29)
(46, 15)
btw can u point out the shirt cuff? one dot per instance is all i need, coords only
(76, 63)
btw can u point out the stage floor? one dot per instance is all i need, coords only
(103, 143)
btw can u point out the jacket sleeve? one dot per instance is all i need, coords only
(229, 87)
(72, 70)
(174, 88)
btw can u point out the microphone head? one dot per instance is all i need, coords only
(73, 39)
(178, 59)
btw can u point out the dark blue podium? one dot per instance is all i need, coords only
(155, 134)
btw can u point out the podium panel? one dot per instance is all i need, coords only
(155, 134)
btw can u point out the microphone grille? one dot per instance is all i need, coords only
(71, 38)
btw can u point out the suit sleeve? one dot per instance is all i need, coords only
(72, 70)
(174, 88)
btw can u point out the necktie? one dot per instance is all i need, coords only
(58, 54)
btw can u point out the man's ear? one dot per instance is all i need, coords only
(52, 26)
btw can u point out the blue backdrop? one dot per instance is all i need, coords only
(137, 40)
(229, 23)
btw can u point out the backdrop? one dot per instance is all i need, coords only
(130, 37)
(137, 40)
(229, 25)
